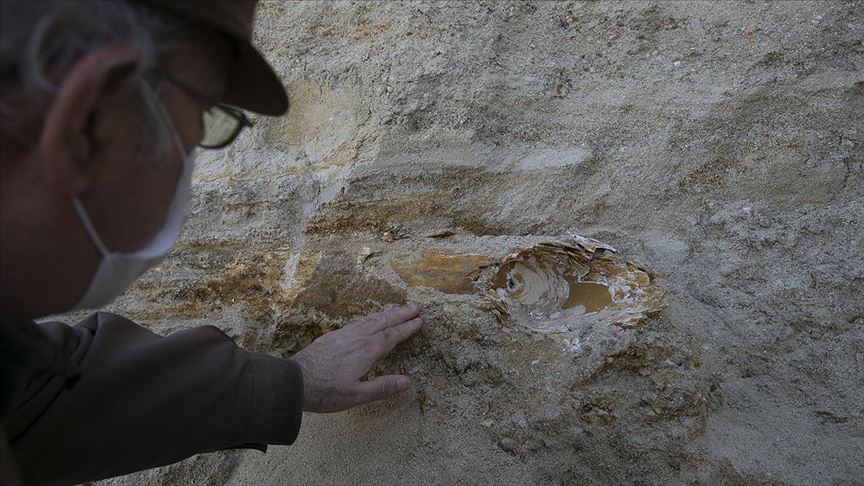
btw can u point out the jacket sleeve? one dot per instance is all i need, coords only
(136, 400)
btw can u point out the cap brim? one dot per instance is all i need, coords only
(253, 85)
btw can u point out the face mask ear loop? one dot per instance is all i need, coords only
(88, 225)
(166, 119)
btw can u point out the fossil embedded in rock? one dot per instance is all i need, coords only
(550, 286)
(547, 286)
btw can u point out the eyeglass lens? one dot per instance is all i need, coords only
(220, 128)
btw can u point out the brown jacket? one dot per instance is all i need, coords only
(108, 397)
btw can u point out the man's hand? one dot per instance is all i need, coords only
(334, 364)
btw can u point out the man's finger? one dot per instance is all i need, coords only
(382, 387)
(392, 336)
(382, 320)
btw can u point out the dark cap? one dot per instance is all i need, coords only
(252, 84)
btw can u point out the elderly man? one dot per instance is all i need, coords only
(102, 106)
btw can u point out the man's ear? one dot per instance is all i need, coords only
(66, 144)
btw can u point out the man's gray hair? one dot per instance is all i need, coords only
(41, 40)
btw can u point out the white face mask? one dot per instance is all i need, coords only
(116, 271)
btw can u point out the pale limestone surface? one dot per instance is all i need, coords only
(717, 144)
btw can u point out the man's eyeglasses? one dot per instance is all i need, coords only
(222, 123)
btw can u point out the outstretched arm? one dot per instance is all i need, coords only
(132, 400)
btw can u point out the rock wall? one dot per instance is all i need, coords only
(464, 156)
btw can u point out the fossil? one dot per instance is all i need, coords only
(555, 286)
(546, 285)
